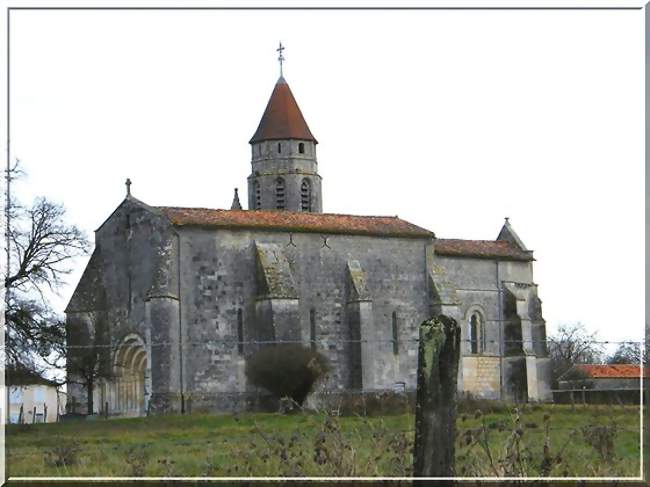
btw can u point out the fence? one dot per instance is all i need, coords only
(30, 416)
(610, 396)
(197, 397)
(433, 403)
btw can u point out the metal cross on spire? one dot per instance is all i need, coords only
(280, 56)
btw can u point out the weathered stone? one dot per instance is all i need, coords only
(435, 410)
(200, 299)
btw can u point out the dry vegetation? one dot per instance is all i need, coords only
(492, 440)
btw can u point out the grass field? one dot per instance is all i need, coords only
(588, 441)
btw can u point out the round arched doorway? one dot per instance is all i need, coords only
(131, 388)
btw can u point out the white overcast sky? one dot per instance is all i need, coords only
(450, 119)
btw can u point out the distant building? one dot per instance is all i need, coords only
(32, 399)
(601, 383)
(177, 298)
(603, 377)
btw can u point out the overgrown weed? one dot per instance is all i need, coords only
(63, 454)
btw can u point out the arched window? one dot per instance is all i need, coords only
(395, 334)
(240, 332)
(312, 328)
(476, 333)
(279, 194)
(258, 195)
(279, 148)
(305, 195)
(301, 147)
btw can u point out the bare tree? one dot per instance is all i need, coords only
(577, 379)
(88, 354)
(573, 344)
(40, 248)
(42, 244)
(628, 353)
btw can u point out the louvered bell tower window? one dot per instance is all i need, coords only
(305, 195)
(279, 194)
(258, 195)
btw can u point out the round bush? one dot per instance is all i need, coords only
(287, 370)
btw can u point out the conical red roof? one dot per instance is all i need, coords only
(282, 118)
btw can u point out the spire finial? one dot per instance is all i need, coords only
(507, 220)
(128, 187)
(280, 57)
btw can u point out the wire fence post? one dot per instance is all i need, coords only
(435, 410)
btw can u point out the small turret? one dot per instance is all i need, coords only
(236, 205)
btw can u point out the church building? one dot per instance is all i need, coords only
(173, 300)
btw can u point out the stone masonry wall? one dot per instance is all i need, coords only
(134, 256)
(480, 288)
(218, 275)
(267, 165)
(140, 256)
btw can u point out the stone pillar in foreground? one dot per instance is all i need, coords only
(435, 414)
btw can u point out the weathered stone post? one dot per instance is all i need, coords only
(435, 410)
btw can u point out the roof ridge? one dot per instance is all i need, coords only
(609, 365)
(473, 240)
(480, 249)
(277, 211)
(295, 221)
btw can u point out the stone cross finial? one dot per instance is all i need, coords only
(507, 220)
(128, 187)
(280, 57)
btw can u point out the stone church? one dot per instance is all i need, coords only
(173, 300)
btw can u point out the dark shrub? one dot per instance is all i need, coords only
(286, 370)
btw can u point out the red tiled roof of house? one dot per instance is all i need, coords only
(618, 371)
(296, 221)
(282, 118)
(485, 249)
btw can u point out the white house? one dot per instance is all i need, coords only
(32, 399)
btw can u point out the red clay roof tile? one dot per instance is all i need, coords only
(296, 221)
(485, 249)
(282, 118)
(618, 371)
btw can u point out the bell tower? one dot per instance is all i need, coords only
(284, 173)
